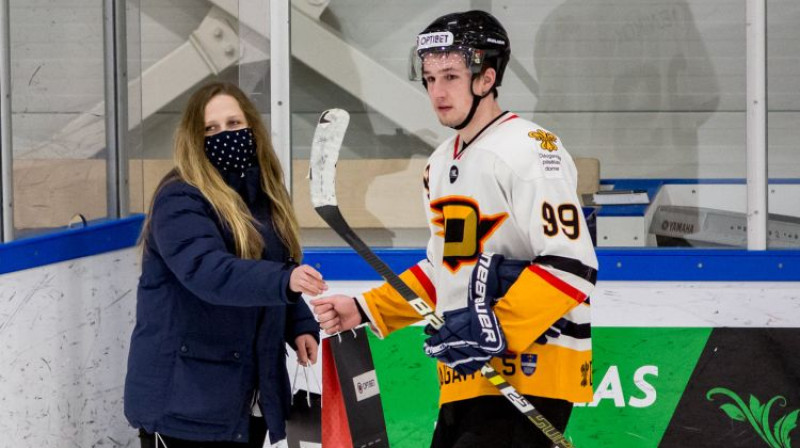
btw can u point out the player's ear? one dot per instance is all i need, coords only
(487, 79)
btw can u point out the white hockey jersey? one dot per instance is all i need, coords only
(512, 191)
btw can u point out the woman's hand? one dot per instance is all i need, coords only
(307, 280)
(306, 349)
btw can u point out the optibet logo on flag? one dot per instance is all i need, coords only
(366, 385)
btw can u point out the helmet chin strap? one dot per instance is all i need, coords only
(476, 100)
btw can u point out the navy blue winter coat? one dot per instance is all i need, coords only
(210, 327)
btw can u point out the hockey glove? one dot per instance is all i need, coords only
(455, 345)
(471, 336)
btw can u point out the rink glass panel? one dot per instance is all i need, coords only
(783, 102)
(652, 90)
(58, 113)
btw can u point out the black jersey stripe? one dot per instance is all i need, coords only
(570, 265)
(564, 327)
(577, 331)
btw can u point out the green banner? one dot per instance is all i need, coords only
(409, 389)
(639, 377)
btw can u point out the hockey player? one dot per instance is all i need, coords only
(502, 190)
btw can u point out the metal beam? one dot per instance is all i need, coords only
(383, 90)
(214, 46)
(211, 48)
(324, 50)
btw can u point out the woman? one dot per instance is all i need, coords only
(220, 290)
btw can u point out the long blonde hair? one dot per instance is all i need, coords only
(193, 167)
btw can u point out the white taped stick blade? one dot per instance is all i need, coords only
(325, 148)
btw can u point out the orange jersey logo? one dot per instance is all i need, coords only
(463, 228)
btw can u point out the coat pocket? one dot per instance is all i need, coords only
(207, 383)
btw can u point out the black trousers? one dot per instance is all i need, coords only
(258, 431)
(494, 422)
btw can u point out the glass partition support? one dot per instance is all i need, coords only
(134, 146)
(280, 62)
(756, 17)
(6, 158)
(116, 101)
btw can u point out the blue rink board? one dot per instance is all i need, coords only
(97, 237)
(663, 264)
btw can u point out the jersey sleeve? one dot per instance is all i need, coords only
(388, 310)
(545, 205)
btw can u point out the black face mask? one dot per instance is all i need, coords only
(232, 151)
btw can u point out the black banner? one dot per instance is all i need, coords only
(743, 392)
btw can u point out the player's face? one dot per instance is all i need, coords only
(449, 86)
(223, 113)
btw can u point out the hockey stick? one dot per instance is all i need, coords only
(322, 174)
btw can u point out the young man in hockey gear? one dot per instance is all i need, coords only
(510, 262)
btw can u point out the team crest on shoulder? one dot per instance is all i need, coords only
(547, 140)
(463, 228)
